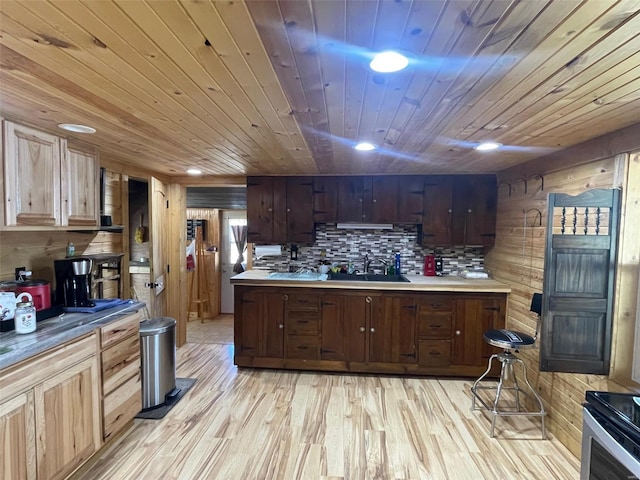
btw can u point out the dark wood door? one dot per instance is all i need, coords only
(300, 225)
(384, 199)
(273, 325)
(325, 199)
(410, 201)
(356, 310)
(472, 318)
(481, 203)
(437, 210)
(579, 273)
(332, 343)
(353, 194)
(260, 209)
(392, 334)
(248, 323)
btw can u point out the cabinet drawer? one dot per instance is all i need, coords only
(304, 347)
(121, 406)
(119, 362)
(119, 329)
(437, 304)
(303, 323)
(303, 302)
(435, 325)
(434, 353)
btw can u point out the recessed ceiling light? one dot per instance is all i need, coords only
(483, 147)
(72, 127)
(389, 61)
(365, 146)
(194, 171)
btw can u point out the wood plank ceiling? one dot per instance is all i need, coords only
(283, 87)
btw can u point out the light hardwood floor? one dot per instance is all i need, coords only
(268, 424)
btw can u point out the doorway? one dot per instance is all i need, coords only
(229, 255)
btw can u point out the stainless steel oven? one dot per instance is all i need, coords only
(611, 437)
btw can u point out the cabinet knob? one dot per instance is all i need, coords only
(270, 209)
(280, 326)
(469, 210)
(375, 201)
(360, 200)
(367, 299)
(362, 329)
(449, 210)
(288, 209)
(373, 330)
(285, 297)
(458, 332)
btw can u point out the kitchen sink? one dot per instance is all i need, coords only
(370, 277)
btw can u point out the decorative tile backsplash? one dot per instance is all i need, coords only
(343, 246)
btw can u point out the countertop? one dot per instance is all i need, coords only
(55, 331)
(421, 283)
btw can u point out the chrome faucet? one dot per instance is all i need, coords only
(368, 262)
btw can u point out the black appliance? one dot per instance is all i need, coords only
(73, 282)
(610, 436)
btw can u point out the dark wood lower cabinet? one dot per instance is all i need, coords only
(369, 331)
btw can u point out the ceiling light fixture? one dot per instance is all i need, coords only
(194, 171)
(73, 127)
(388, 61)
(486, 146)
(365, 146)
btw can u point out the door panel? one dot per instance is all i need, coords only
(158, 214)
(332, 345)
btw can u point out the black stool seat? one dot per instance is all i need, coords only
(509, 339)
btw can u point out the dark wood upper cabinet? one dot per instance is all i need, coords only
(280, 209)
(410, 204)
(384, 199)
(354, 193)
(325, 199)
(459, 210)
(436, 216)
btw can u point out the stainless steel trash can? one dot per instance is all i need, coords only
(158, 352)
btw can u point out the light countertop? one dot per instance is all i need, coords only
(416, 283)
(55, 331)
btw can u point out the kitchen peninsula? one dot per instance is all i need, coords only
(426, 326)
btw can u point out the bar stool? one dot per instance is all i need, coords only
(510, 340)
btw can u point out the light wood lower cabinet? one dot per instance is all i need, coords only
(121, 375)
(50, 412)
(372, 331)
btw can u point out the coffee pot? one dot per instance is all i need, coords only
(73, 282)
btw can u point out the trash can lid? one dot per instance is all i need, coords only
(153, 326)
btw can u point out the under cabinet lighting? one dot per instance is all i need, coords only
(365, 146)
(73, 127)
(486, 146)
(388, 62)
(194, 171)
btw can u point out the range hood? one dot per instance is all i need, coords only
(364, 226)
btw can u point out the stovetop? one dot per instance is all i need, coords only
(622, 408)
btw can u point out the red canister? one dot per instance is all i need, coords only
(39, 290)
(430, 265)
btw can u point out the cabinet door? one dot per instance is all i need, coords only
(392, 333)
(356, 312)
(259, 324)
(300, 226)
(384, 199)
(473, 317)
(410, 204)
(437, 211)
(260, 209)
(325, 199)
(31, 177)
(17, 427)
(80, 176)
(480, 221)
(332, 328)
(67, 419)
(352, 196)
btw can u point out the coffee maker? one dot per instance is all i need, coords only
(73, 282)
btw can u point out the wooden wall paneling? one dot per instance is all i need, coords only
(628, 272)
(176, 258)
(518, 259)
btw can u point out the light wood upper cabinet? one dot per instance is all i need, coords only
(45, 183)
(80, 206)
(32, 161)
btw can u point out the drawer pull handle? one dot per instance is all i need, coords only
(435, 325)
(436, 305)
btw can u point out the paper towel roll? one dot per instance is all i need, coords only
(268, 251)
